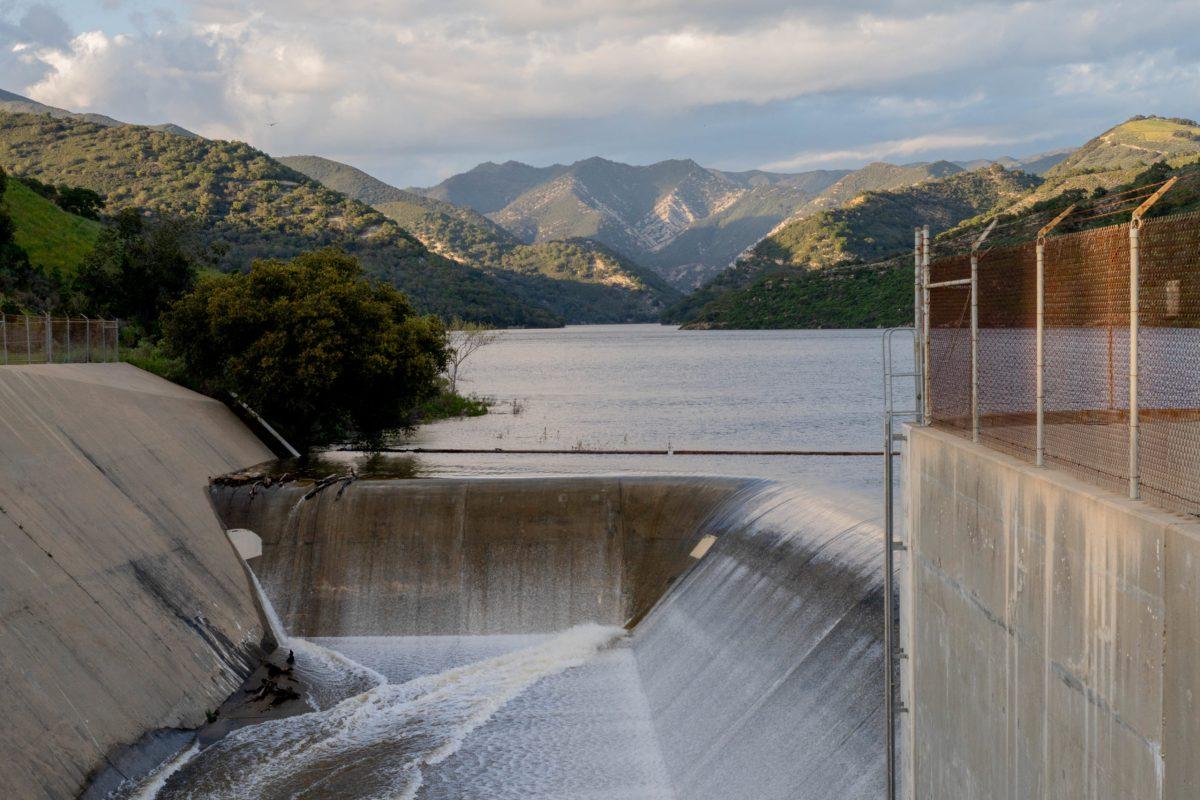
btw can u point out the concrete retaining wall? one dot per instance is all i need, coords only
(1054, 634)
(123, 607)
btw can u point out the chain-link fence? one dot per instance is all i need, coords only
(27, 339)
(1052, 381)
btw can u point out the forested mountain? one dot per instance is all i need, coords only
(677, 217)
(581, 280)
(873, 227)
(247, 205)
(16, 104)
(684, 221)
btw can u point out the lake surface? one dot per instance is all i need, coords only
(657, 387)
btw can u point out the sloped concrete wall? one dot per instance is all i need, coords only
(763, 666)
(1054, 632)
(123, 607)
(473, 555)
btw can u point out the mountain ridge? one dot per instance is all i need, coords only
(618, 290)
(247, 205)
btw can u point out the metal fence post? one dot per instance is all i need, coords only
(1040, 446)
(4, 335)
(117, 340)
(28, 342)
(975, 330)
(68, 321)
(1135, 266)
(87, 340)
(927, 409)
(1040, 356)
(49, 339)
(1134, 302)
(918, 327)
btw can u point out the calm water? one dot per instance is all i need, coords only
(654, 387)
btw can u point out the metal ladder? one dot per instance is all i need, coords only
(893, 654)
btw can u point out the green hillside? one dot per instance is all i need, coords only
(1117, 156)
(860, 296)
(54, 239)
(580, 280)
(250, 206)
(873, 227)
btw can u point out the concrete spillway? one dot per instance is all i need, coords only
(123, 608)
(758, 664)
(618, 638)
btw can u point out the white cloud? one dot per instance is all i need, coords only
(940, 143)
(420, 79)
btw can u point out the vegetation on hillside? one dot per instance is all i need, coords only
(861, 296)
(322, 352)
(54, 239)
(880, 294)
(587, 281)
(246, 205)
(875, 226)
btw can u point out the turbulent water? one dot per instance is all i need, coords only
(370, 738)
(376, 744)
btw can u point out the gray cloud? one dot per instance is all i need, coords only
(415, 89)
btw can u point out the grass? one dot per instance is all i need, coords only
(54, 239)
(451, 405)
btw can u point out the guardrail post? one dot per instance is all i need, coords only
(1135, 266)
(926, 409)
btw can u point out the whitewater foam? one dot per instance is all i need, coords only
(375, 744)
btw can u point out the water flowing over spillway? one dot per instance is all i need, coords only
(753, 670)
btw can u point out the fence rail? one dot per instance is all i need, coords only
(28, 339)
(1078, 351)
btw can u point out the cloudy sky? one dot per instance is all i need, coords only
(415, 90)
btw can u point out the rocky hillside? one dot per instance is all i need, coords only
(580, 279)
(873, 227)
(1118, 156)
(249, 206)
(676, 217)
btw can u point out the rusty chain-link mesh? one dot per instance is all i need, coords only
(950, 344)
(41, 340)
(1086, 345)
(1169, 361)
(1086, 351)
(1007, 364)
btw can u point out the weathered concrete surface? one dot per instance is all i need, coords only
(1053, 630)
(123, 607)
(763, 667)
(761, 662)
(471, 556)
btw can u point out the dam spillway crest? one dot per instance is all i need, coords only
(615, 637)
(493, 610)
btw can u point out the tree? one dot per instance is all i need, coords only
(139, 266)
(465, 339)
(318, 350)
(80, 201)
